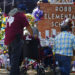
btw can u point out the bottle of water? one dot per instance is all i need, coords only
(57, 69)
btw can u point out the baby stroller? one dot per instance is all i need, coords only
(43, 55)
(30, 50)
(46, 57)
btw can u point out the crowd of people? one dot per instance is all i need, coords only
(64, 42)
(64, 45)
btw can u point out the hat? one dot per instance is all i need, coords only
(66, 25)
(67, 21)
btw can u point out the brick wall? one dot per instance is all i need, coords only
(54, 14)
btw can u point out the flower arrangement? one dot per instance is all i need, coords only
(30, 19)
(37, 13)
(3, 24)
(2, 35)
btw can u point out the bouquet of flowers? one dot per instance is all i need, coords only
(30, 18)
(37, 13)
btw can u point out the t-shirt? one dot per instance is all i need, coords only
(14, 26)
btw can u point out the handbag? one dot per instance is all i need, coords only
(30, 49)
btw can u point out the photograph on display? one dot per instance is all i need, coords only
(47, 33)
(53, 34)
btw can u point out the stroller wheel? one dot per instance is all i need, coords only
(23, 71)
(40, 71)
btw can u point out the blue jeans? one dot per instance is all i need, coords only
(64, 64)
(16, 56)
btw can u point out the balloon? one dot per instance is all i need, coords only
(37, 13)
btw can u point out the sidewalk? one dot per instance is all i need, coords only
(3, 72)
(29, 72)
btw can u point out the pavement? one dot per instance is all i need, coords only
(29, 72)
(4, 72)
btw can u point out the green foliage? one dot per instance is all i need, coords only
(2, 35)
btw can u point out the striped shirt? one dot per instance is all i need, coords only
(64, 44)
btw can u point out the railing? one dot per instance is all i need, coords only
(61, 3)
(58, 1)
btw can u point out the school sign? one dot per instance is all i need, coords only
(54, 14)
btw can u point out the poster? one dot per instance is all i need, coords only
(54, 32)
(47, 33)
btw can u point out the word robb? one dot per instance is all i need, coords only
(59, 15)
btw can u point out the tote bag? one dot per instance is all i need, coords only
(30, 49)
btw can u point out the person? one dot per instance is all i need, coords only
(5, 59)
(64, 44)
(35, 30)
(14, 38)
(73, 0)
